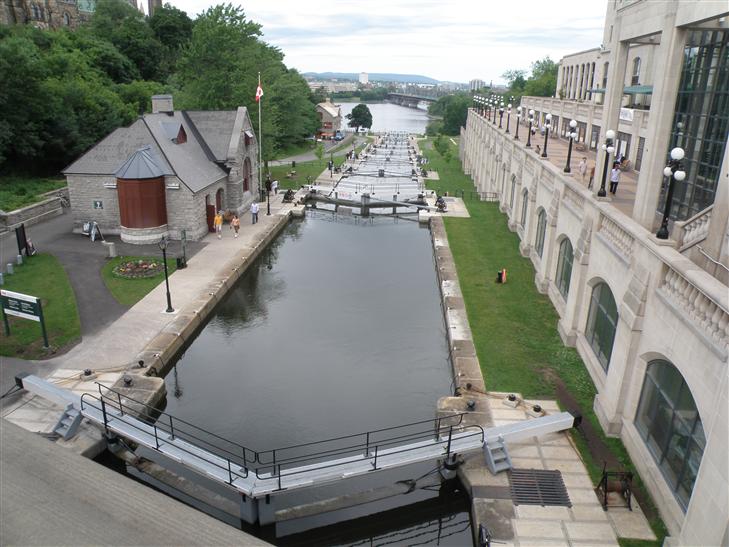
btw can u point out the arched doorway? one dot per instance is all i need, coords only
(219, 200)
(209, 213)
(247, 173)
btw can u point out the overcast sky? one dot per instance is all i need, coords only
(454, 40)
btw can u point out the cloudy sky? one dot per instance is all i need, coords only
(454, 40)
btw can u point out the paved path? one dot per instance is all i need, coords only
(311, 155)
(57, 497)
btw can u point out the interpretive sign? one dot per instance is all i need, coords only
(25, 306)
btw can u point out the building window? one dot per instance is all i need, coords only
(66, 19)
(635, 80)
(524, 205)
(36, 12)
(513, 191)
(541, 229)
(639, 153)
(701, 121)
(602, 322)
(622, 144)
(595, 137)
(564, 267)
(604, 75)
(670, 425)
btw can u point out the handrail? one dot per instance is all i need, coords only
(715, 262)
(268, 464)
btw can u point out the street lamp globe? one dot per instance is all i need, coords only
(667, 171)
(548, 117)
(509, 106)
(604, 147)
(610, 134)
(573, 123)
(531, 113)
(610, 149)
(679, 175)
(518, 110)
(677, 153)
(574, 135)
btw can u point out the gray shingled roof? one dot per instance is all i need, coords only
(188, 159)
(108, 155)
(143, 164)
(216, 127)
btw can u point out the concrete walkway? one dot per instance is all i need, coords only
(51, 496)
(328, 145)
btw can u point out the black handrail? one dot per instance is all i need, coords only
(270, 463)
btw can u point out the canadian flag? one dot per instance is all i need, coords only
(259, 92)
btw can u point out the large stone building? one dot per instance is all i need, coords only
(46, 14)
(648, 316)
(168, 172)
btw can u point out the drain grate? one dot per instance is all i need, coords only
(538, 487)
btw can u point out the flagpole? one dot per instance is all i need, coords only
(260, 140)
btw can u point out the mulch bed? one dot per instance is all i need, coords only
(136, 269)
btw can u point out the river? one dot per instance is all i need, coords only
(392, 117)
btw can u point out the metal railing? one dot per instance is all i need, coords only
(282, 462)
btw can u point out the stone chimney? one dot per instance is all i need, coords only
(162, 104)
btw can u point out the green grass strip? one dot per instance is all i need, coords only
(130, 291)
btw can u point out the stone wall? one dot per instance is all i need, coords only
(32, 214)
(668, 308)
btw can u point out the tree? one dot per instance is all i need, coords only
(319, 151)
(171, 26)
(454, 110)
(360, 117)
(516, 80)
(543, 80)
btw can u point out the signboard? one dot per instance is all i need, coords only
(626, 114)
(98, 204)
(22, 305)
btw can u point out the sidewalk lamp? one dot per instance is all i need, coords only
(163, 247)
(518, 122)
(494, 105)
(609, 149)
(508, 116)
(547, 125)
(572, 135)
(501, 114)
(673, 171)
(531, 129)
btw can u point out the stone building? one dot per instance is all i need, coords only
(169, 171)
(648, 316)
(46, 14)
(330, 116)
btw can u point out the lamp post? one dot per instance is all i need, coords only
(268, 194)
(163, 247)
(573, 135)
(508, 116)
(609, 149)
(529, 134)
(494, 104)
(674, 171)
(501, 114)
(518, 122)
(547, 125)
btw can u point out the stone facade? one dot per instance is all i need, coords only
(46, 14)
(668, 308)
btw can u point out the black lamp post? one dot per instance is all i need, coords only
(508, 116)
(547, 125)
(572, 135)
(493, 107)
(518, 122)
(530, 133)
(501, 114)
(268, 194)
(163, 246)
(674, 171)
(609, 149)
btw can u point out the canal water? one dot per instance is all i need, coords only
(393, 117)
(336, 329)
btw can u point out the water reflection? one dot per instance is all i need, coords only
(337, 330)
(393, 117)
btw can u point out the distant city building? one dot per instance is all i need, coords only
(475, 85)
(330, 116)
(364, 78)
(332, 86)
(152, 5)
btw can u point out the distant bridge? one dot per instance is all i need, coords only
(409, 99)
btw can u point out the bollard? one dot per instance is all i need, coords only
(9, 268)
(19, 260)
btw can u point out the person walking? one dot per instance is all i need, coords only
(218, 224)
(274, 187)
(614, 178)
(582, 168)
(235, 224)
(254, 212)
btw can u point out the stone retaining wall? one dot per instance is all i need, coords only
(37, 212)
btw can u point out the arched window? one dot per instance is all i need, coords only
(36, 11)
(541, 229)
(524, 205)
(636, 72)
(564, 267)
(66, 19)
(604, 74)
(670, 425)
(513, 191)
(602, 322)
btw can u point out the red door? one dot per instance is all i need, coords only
(210, 214)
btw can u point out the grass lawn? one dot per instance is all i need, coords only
(303, 169)
(130, 291)
(17, 192)
(44, 277)
(514, 326)
(295, 150)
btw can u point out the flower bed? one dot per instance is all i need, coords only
(136, 269)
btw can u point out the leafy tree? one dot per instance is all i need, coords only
(516, 80)
(360, 117)
(543, 80)
(319, 95)
(319, 151)
(171, 26)
(454, 110)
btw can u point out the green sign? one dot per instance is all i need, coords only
(25, 306)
